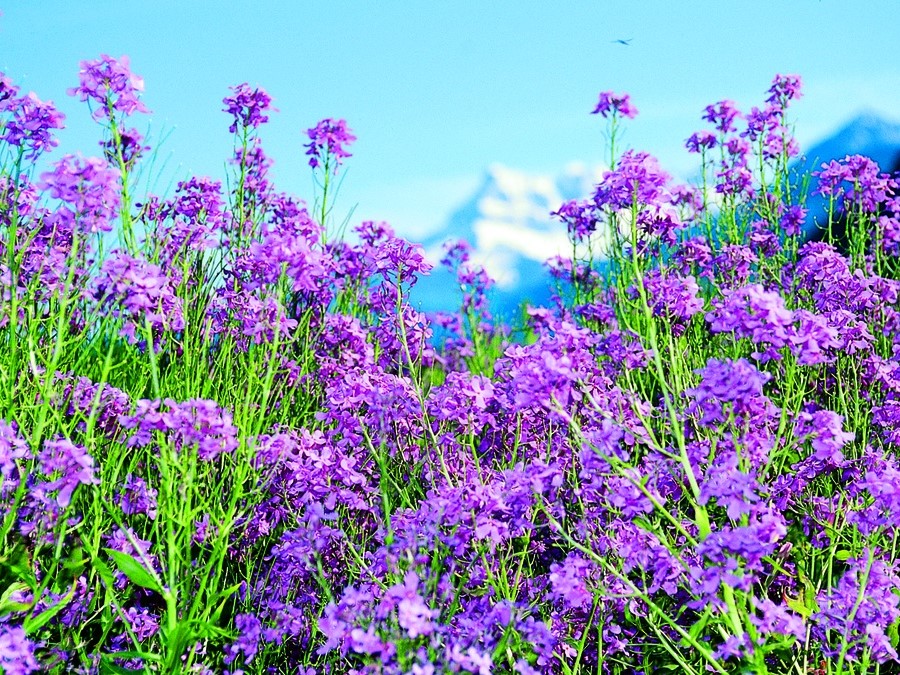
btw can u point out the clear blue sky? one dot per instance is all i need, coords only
(438, 90)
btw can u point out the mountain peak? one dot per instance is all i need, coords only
(868, 133)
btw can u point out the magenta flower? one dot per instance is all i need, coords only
(16, 651)
(702, 140)
(111, 84)
(72, 466)
(722, 115)
(615, 104)
(784, 88)
(247, 106)
(327, 139)
(32, 123)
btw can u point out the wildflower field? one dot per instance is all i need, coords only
(229, 442)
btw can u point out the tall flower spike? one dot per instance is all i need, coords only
(614, 104)
(110, 83)
(328, 138)
(247, 106)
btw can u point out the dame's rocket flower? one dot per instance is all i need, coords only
(328, 139)
(110, 84)
(615, 104)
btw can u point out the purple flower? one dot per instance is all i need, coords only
(700, 141)
(775, 619)
(814, 339)
(16, 651)
(674, 297)
(247, 643)
(732, 489)
(13, 449)
(110, 84)
(755, 313)
(89, 190)
(31, 125)
(132, 144)
(859, 610)
(580, 218)
(8, 93)
(722, 115)
(737, 383)
(143, 623)
(615, 104)
(792, 220)
(136, 497)
(197, 423)
(869, 188)
(70, 464)
(638, 178)
(247, 106)
(328, 139)
(413, 614)
(784, 88)
(135, 290)
(568, 581)
(881, 483)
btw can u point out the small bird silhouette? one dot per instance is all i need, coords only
(623, 42)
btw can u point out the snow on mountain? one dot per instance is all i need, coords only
(508, 224)
(508, 219)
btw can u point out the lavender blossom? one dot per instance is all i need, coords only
(615, 104)
(328, 139)
(110, 84)
(247, 106)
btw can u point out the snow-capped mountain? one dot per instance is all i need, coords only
(508, 224)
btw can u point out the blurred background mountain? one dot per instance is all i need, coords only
(507, 219)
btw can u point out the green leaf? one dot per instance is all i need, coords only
(178, 639)
(8, 605)
(35, 623)
(798, 606)
(698, 626)
(145, 656)
(75, 562)
(842, 555)
(132, 569)
(107, 668)
(103, 572)
(18, 562)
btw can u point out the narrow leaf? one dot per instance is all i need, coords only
(132, 569)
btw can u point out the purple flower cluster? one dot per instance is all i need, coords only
(238, 445)
(614, 104)
(328, 141)
(139, 294)
(247, 106)
(29, 122)
(109, 84)
(192, 425)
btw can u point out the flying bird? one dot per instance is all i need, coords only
(623, 42)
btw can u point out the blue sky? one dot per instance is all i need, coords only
(436, 91)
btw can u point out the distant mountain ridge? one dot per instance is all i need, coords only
(867, 134)
(508, 224)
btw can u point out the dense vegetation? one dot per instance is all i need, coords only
(228, 443)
